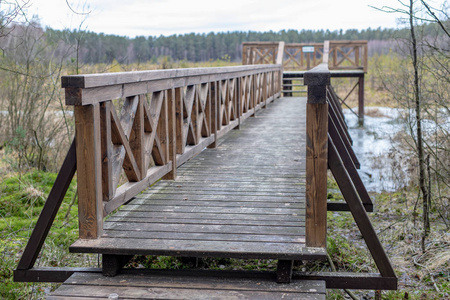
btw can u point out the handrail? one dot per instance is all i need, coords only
(341, 55)
(167, 117)
(254, 53)
(328, 146)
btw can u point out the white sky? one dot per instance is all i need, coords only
(167, 17)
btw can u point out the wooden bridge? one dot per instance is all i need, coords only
(162, 170)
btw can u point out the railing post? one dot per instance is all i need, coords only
(106, 151)
(361, 100)
(171, 98)
(317, 81)
(280, 54)
(89, 170)
(214, 111)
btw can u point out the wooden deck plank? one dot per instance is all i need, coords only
(225, 218)
(219, 219)
(159, 284)
(261, 250)
(243, 199)
(287, 203)
(230, 210)
(232, 237)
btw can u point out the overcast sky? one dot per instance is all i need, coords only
(166, 17)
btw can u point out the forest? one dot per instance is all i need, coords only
(408, 73)
(99, 48)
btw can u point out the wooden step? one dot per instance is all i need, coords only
(186, 284)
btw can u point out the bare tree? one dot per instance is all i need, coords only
(29, 89)
(424, 92)
(9, 12)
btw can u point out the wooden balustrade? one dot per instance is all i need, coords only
(342, 55)
(345, 55)
(328, 146)
(166, 117)
(254, 53)
(135, 128)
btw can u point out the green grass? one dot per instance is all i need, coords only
(21, 200)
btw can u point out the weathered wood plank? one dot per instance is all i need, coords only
(316, 174)
(119, 136)
(221, 203)
(235, 210)
(351, 196)
(130, 189)
(171, 98)
(225, 210)
(296, 251)
(119, 78)
(194, 228)
(108, 186)
(160, 284)
(50, 274)
(50, 210)
(348, 280)
(207, 219)
(223, 217)
(88, 144)
(233, 237)
(316, 155)
(136, 139)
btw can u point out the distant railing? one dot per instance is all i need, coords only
(343, 55)
(262, 53)
(302, 56)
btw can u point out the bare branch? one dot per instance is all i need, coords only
(436, 19)
(75, 12)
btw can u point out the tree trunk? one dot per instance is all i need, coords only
(419, 141)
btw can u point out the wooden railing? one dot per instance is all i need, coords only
(343, 55)
(262, 53)
(302, 56)
(166, 117)
(328, 146)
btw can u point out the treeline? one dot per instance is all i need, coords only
(100, 48)
(93, 48)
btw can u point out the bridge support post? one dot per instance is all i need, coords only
(112, 264)
(284, 271)
(361, 100)
(317, 81)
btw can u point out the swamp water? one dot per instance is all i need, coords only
(375, 145)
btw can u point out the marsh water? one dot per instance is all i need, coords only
(375, 145)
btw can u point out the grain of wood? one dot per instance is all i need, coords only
(236, 200)
(90, 198)
(160, 284)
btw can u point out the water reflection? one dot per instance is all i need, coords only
(375, 148)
